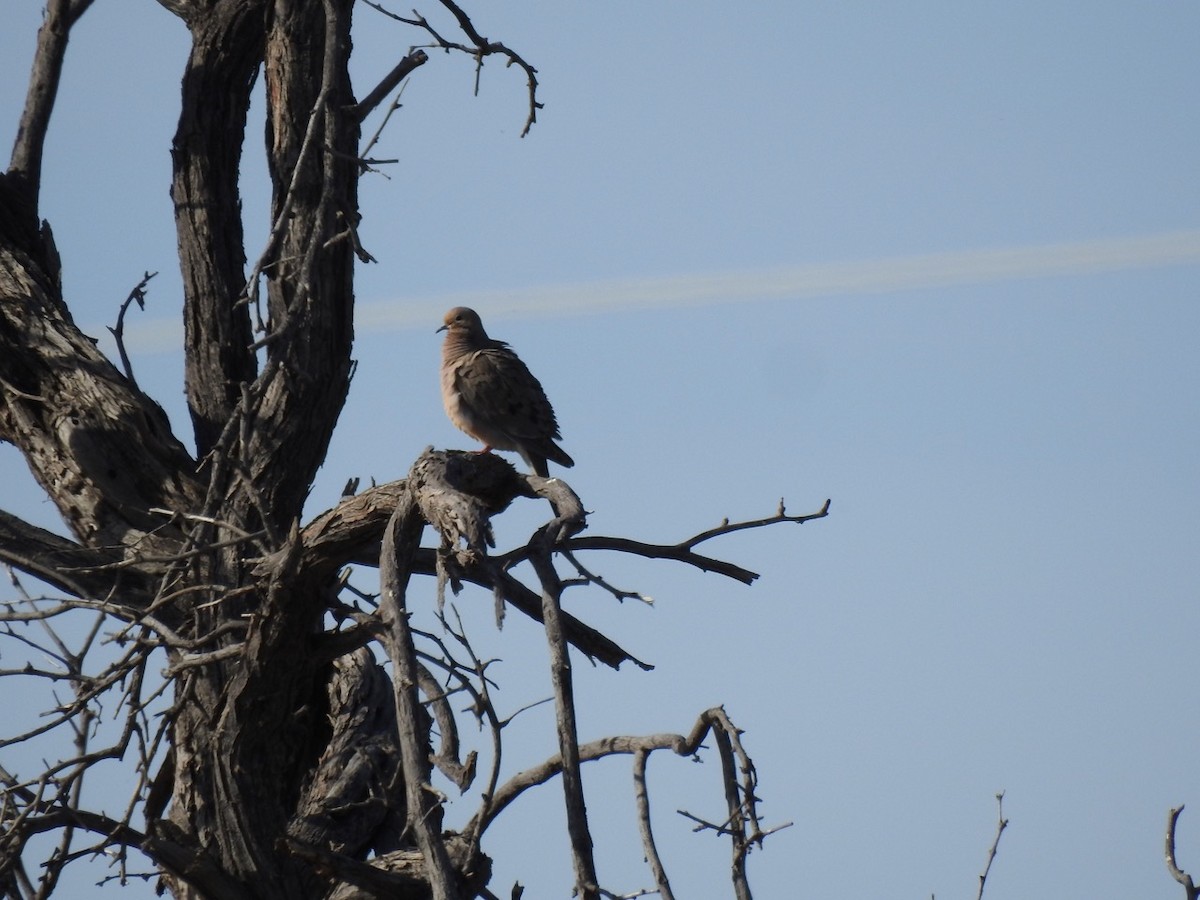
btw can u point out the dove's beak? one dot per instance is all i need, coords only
(443, 328)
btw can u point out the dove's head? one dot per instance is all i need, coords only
(463, 321)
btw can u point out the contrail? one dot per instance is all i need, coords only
(875, 276)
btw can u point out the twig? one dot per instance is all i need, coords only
(479, 48)
(586, 576)
(682, 551)
(403, 69)
(1000, 826)
(1190, 889)
(726, 527)
(138, 296)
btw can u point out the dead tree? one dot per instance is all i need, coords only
(196, 633)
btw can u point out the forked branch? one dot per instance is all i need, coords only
(684, 550)
(138, 296)
(742, 824)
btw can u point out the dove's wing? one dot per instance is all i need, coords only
(499, 389)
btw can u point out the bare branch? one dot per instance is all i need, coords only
(424, 811)
(26, 163)
(346, 533)
(681, 745)
(564, 701)
(586, 576)
(138, 296)
(206, 155)
(403, 69)
(642, 797)
(484, 47)
(54, 559)
(1000, 826)
(479, 48)
(739, 809)
(279, 228)
(1191, 892)
(683, 552)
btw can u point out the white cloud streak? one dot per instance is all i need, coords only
(876, 276)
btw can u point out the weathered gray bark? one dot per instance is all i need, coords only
(252, 727)
(227, 52)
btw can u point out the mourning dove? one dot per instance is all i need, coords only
(490, 394)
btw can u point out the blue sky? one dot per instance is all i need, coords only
(939, 264)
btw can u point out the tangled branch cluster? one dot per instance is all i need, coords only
(393, 731)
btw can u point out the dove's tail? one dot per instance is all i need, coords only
(537, 456)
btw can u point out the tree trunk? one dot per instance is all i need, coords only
(250, 728)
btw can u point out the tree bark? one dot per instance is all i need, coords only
(227, 51)
(249, 728)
